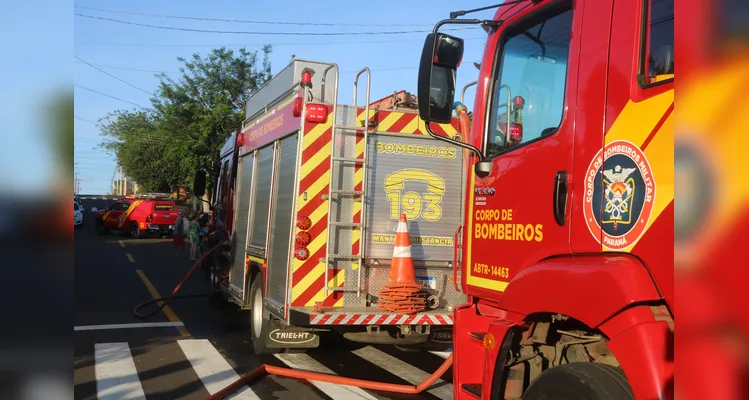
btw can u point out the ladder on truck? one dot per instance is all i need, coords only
(336, 191)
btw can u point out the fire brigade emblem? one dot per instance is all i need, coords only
(619, 195)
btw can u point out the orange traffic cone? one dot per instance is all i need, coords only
(402, 294)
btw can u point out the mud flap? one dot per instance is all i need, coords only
(279, 336)
(441, 335)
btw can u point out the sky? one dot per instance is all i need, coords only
(130, 55)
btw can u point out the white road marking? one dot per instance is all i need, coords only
(405, 371)
(443, 354)
(128, 326)
(214, 371)
(116, 376)
(334, 391)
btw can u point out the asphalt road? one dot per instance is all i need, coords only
(192, 350)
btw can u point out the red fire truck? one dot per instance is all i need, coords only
(311, 190)
(566, 251)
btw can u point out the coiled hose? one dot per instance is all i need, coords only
(164, 301)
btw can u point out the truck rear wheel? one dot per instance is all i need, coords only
(135, 232)
(580, 381)
(258, 321)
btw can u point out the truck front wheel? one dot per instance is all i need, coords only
(580, 381)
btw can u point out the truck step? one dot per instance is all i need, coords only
(348, 159)
(341, 257)
(346, 224)
(472, 388)
(357, 199)
(347, 192)
(352, 128)
(340, 289)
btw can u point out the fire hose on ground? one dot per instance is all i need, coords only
(266, 369)
(316, 376)
(164, 301)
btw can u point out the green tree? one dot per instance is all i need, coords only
(207, 102)
(192, 117)
(144, 151)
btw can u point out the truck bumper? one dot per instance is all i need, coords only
(364, 316)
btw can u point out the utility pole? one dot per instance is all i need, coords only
(126, 188)
(119, 182)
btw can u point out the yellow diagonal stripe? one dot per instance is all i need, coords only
(315, 160)
(302, 286)
(660, 156)
(448, 128)
(315, 133)
(320, 296)
(414, 125)
(129, 211)
(387, 123)
(314, 189)
(361, 115)
(637, 120)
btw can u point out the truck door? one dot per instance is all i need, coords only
(519, 211)
(633, 200)
(116, 211)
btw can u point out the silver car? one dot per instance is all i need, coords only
(77, 215)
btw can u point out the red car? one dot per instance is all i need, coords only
(138, 215)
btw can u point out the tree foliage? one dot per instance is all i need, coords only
(192, 117)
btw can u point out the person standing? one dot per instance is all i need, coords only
(194, 237)
(179, 233)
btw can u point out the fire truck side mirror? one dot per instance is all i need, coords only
(198, 186)
(440, 59)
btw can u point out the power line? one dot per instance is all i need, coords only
(112, 76)
(135, 69)
(108, 95)
(174, 28)
(329, 43)
(177, 72)
(85, 120)
(240, 21)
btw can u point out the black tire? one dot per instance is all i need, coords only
(135, 232)
(258, 321)
(100, 228)
(580, 381)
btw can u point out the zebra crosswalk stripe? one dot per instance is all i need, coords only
(212, 369)
(334, 391)
(116, 372)
(116, 375)
(404, 370)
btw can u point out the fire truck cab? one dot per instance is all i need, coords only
(566, 250)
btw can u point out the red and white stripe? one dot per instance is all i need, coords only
(379, 319)
(400, 251)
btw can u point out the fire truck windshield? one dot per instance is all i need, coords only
(533, 66)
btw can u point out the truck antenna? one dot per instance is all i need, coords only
(456, 14)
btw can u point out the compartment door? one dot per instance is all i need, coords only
(422, 178)
(282, 218)
(239, 238)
